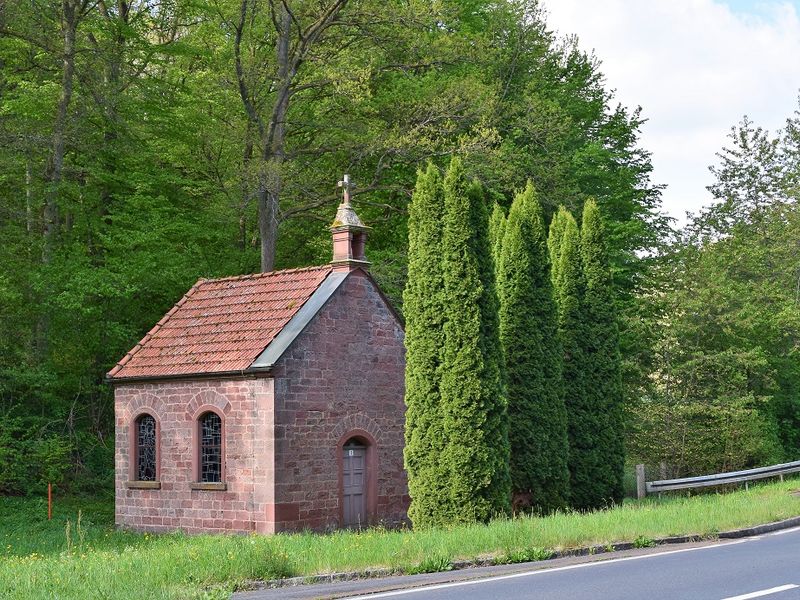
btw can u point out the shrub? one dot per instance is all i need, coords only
(30, 458)
(696, 438)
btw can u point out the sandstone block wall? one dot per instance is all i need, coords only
(343, 376)
(247, 408)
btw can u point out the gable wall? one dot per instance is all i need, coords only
(344, 373)
(247, 406)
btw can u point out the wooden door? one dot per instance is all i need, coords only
(354, 488)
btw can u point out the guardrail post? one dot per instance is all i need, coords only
(641, 491)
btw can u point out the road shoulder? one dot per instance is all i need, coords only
(347, 584)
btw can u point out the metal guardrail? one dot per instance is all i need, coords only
(648, 487)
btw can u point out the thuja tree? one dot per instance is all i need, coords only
(584, 422)
(554, 239)
(601, 358)
(497, 227)
(532, 349)
(476, 453)
(424, 339)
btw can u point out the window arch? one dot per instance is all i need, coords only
(146, 443)
(210, 436)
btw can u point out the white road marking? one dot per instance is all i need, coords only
(792, 530)
(442, 586)
(775, 590)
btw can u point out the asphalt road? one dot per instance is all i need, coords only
(766, 566)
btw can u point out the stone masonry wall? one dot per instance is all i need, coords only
(342, 376)
(247, 407)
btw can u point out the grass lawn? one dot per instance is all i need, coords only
(58, 559)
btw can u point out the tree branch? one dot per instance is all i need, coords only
(244, 93)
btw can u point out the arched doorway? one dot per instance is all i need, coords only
(354, 483)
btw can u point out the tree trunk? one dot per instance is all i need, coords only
(273, 151)
(71, 10)
(268, 226)
(113, 91)
(29, 198)
(247, 159)
(55, 166)
(272, 135)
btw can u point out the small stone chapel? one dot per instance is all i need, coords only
(266, 403)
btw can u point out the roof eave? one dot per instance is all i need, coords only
(248, 372)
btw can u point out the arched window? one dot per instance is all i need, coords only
(210, 448)
(145, 431)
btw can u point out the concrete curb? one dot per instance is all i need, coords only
(492, 559)
(760, 529)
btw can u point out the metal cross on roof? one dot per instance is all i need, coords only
(346, 186)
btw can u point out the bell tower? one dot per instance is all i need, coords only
(349, 234)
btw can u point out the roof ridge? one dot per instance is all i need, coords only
(125, 359)
(267, 274)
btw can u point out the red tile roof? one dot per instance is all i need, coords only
(221, 324)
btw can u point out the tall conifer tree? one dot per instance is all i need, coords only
(583, 420)
(424, 340)
(600, 335)
(529, 335)
(554, 239)
(497, 227)
(476, 455)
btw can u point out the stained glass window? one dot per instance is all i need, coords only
(146, 448)
(210, 448)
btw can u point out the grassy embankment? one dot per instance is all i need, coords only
(58, 559)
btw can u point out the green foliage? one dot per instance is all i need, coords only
(529, 554)
(737, 297)
(533, 357)
(643, 542)
(602, 383)
(424, 304)
(497, 228)
(555, 239)
(474, 406)
(724, 385)
(698, 438)
(31, 457)
(584, 420)
(435, 563)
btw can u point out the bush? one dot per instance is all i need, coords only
(696, 438)
(31, 457)
(51, 460)
(12, 472)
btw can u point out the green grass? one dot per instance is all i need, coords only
(39, 560)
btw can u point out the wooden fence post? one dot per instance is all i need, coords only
(641, 491)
